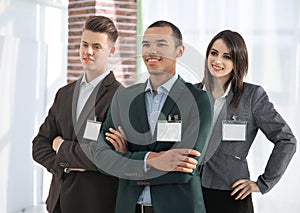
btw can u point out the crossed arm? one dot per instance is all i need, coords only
(172, 160)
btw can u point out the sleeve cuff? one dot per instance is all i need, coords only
(59, 146)
(146, 168)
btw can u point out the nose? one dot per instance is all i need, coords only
(152, 50)
(90, 50)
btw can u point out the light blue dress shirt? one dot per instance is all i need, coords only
(154, 103)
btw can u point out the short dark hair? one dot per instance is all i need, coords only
(102, 24)
(175, 30)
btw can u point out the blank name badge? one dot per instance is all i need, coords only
(92, 130)
(169, 131)
(234, 130)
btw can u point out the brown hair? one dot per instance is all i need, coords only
(239, 55)
(102, 24)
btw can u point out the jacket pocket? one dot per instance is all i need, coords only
(236, 168)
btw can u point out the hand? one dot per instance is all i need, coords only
(117, 139)
(244, 187)
(57, 142)
(173, 160)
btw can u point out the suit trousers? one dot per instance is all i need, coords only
(220, 201)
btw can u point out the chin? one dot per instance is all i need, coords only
(155, 72)
(90, 67)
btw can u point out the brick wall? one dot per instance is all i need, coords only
(124, 14)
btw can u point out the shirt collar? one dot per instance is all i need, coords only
(225, 93)
(96, 81)
(165, 88)
(227, 90)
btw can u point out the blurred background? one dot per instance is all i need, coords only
(39, 42)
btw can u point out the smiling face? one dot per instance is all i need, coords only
(95, 49)
(159, 50)
(219, 60)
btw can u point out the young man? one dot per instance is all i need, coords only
(167, 123)
(64, 142)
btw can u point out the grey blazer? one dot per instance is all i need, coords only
(225, 161)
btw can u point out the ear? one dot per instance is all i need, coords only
(180, 51)
(112, 50)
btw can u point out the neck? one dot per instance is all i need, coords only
(158, 80)
(91, 75)
(218, 87)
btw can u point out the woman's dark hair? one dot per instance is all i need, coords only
(239, 56)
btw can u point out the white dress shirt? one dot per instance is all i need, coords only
(86, 90)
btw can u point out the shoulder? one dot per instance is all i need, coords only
(111, 81)
(196, 91)
(202, 98)
(253, 89)
(69, 86)
(134, 89)
(67, 89)
(125, 95)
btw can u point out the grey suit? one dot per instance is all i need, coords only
(228, 163)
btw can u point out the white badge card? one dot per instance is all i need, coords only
(92, 130)
(169, 131)
(234, 130)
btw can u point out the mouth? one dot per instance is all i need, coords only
(152, 60)
(217, 67)
(86, 60)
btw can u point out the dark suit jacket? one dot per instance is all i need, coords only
(89, 191)
(226, 160)
(170, 191)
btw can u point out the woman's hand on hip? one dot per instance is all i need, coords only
(243, 187)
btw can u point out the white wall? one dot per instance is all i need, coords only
(271, 30)
(33, 38)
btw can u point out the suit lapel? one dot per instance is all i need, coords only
(216, 134)
(89, 107)
(138, 113)
(74, 105)
(172, 99)
(228, 101)
(167, 109)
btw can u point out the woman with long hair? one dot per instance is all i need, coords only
(240, 110)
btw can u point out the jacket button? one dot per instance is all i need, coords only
(64, 164)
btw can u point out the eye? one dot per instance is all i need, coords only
(161, 44)
(146, 45)
(227, 57)
(214, 53)
(96, 47)
(84, 45)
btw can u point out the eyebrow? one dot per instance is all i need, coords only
(91, 44)
(218, 51)
(159, 40)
